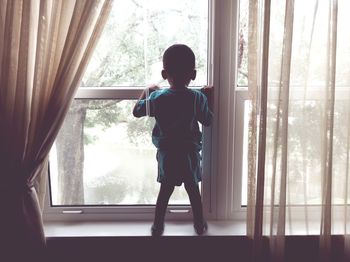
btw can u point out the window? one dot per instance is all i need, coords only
(114, 161)
(242, 102)
(306, 109)
(103, 163)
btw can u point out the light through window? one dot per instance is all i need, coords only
(103, 155)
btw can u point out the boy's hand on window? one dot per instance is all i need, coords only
(152, 88)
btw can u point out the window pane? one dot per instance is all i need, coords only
(305, 158)
(104, 156)
(244, 191)
(137, 33)
(243, 44)
(305, 152)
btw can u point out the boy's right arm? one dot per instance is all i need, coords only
(140, 106)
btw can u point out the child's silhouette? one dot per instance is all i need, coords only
(176, 134)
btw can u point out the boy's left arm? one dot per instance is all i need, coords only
(208, 92)
(206, 114)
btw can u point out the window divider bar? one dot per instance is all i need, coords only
(123, 92)
(108, 93)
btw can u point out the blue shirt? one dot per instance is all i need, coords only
(177, 113)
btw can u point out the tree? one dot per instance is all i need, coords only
(70, 156)
(70, 145)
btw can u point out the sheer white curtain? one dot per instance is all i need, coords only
(299, 128)
(44, 48)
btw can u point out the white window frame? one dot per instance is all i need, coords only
(227, 131)
(222, 149)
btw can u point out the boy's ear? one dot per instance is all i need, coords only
(193, 74)
(164, 74)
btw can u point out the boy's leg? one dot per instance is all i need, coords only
(162, 202)
(196, 202)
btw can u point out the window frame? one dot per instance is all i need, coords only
(111, 212)
(222, 165)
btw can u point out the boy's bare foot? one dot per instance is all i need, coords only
(201, 228)
(157, 230)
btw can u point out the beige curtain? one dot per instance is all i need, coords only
(299, 126)
(44, 48)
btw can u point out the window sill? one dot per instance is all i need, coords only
(138, 228)
(99, 241)
(64, 229)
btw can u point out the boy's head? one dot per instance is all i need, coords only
(179, 65)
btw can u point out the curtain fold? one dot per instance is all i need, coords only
(326, 218)
(44, 49)
(299, 90)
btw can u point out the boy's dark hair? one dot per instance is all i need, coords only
(179, 60)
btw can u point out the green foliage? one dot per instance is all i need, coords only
(89, 139)
(139, 130)
(306, 142)
(103, 113)
(130, 49)
(108, 189)
(129, 52)
(100, 113)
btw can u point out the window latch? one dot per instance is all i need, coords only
(179, 211)
(72, 211)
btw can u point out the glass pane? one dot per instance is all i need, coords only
(243, 44)
(129, 52)
(104, 156)
(305, 152)
(305, 157)
(244, 191)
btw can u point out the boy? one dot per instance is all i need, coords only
(176, 134)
